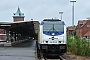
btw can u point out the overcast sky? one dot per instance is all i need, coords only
(40, 9)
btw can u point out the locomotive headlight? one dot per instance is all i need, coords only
(45, 41)
(61, 41)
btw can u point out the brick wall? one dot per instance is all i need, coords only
(82, 30)
(15, 19)
(2, 37)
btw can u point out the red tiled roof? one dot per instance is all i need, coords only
(82, 21)
(70, 28)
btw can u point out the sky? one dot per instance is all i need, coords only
(41, 9)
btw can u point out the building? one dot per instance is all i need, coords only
(83, 28)
(70, 30)
(2, 35)
(36, 27)
(18, 16)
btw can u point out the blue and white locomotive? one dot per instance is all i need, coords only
(51, 37)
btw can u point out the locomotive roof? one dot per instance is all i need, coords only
(51, 20)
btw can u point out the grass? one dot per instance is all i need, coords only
(78, 46)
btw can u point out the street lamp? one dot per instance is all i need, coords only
(73, 14)
(61, 14)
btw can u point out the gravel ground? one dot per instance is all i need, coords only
(75, 57)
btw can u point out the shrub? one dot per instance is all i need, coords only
(78, 46)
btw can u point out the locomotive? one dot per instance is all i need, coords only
(51, 38)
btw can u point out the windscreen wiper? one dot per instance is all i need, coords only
(53, 29)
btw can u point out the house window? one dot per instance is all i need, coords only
(81, 25)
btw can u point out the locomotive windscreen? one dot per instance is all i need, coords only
(53, 26)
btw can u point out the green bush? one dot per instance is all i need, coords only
(78, 46)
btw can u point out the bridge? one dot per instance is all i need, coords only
(18, 32)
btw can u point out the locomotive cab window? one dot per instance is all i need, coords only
(56, 27)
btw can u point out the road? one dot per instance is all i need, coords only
(23, 51)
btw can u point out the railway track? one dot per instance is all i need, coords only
(52, 58)
(63, 57)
